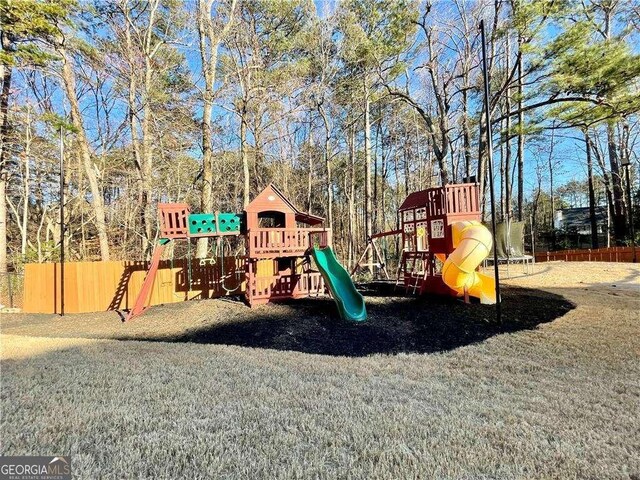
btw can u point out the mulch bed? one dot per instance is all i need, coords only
(396, 324)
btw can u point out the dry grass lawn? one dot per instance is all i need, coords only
(428, 389)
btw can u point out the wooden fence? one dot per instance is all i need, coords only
(612, 254)
(114, 285)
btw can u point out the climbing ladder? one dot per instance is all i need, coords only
(405, 272)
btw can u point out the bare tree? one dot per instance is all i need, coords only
(97, 200)
(210, 36)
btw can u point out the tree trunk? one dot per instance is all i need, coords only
(442, 163)
(551, 193)
(209, 61)
(150, 66)
(5, 75)
(97, 201)
(209, 58)
(134, 124)
(619, 227)
(352, 195)
(310, 170)
(206, 197)
(520, 136)
(147, 161)
(466, 133)
(367, 168)
(607, 187)
(327, 162)
(482, 162)
(245, 158)
(25, 184)
(3, 223)
(374, 201)
(502, 197)
(507, 147)
(592, 195)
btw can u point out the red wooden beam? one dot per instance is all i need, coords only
(386, 234)
(147, 285)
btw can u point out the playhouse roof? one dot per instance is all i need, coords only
(271, 198)
(415, 200)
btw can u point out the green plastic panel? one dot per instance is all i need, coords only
(202, 223)
(229, 222)
(205, 223)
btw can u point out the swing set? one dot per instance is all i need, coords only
(215, 258)
(380, 259)
(178, 223)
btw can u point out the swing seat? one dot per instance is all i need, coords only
(209, 261)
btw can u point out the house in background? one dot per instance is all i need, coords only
(576, 220)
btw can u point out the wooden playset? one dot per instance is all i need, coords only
(435, 224)
(278, 238)
(443, 243)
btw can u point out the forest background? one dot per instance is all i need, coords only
(346, 106)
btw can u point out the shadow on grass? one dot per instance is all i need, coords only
(395, 324)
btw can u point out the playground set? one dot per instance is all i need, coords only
(442, 238)
(443, 243)
(279, 243)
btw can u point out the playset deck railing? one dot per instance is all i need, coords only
(174, 220)
(265, 289)
(266, 242)
(462, 199)
(453, 199)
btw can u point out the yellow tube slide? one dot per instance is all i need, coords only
(472, 244)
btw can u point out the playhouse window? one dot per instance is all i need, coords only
(271, 219)
(408, 216)
(421, 213)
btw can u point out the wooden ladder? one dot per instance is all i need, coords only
(401, 270)
(417, 283)
(426, 273)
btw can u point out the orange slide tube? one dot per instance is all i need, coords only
(472, 244)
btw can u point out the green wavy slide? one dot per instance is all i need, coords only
(349, 301)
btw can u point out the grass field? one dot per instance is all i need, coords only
(429, 388)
